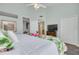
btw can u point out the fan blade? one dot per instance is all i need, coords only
(31, 4)
(43, 6)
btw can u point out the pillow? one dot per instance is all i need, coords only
(12, 35)
(4, 33)
(1, 33)
(5, 42)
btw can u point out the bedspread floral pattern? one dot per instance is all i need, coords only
(5, 41)
(59, 43)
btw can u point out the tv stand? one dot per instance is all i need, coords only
(51, 33)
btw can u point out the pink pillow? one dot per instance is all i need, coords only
(35, 34)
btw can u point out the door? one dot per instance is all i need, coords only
(69, 30)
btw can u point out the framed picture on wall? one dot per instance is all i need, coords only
(9, 25)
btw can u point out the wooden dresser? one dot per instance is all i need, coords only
(51, 33)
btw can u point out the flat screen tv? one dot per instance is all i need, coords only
(52, 28)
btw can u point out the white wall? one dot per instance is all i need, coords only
(35, 16)
(60, 11)
(33, 26)
(18, 9)
(23, 11)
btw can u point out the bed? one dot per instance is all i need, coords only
(29, 45)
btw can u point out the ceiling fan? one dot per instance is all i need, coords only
(37, 5)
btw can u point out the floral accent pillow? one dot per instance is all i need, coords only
(5, 41)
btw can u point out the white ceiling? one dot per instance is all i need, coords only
(55, 4)
(46, 4)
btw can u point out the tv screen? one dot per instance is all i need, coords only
(52, 28)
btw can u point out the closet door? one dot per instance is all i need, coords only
(69, 30)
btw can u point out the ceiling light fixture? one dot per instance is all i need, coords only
(37, 5)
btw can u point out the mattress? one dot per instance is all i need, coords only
(29, 45)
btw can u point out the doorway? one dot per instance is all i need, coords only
(26, 25)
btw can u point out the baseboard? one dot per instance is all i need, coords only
(76, 44)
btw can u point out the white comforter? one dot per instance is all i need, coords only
(29, 45)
